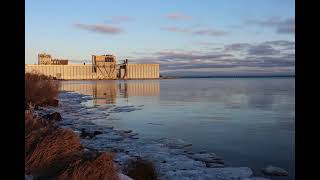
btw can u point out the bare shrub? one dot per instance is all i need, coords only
(40, 90)
(141, 170)
(99, 168)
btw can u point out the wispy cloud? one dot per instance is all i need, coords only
(211, 32)
(237, 46)
(194, 31)
(100, 28)
(263, 49)
(177, 29)
(281, 25)
(178, 16)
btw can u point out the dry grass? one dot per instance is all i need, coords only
(54, 152)
(99, 168)
(34, 137)
(40, 90)
(33, 123)
(141, 170)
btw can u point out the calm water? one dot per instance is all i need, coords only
(248, 121)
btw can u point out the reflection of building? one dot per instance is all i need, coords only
(140, 88)
(103, 93)
(106, 92)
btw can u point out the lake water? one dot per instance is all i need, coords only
(247, 121)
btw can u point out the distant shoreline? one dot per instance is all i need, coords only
(196, 77)
(185, 77)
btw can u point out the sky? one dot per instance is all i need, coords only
(186, 37)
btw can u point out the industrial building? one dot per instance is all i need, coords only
(102, 67)
(46, 59)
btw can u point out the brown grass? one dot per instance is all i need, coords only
(50, 150)
(141, 170)
(99, 168)
(33, 123)
(40, 90)
(54, 152)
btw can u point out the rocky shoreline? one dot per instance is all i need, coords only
(171, 157)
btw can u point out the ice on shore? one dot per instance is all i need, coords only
(171, 157)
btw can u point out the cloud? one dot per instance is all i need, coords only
(287, 26)
(100, 28)
(175, 55)
(280, 43)
(178, 16)
(267, 48)
(192, 31)
(211, 32)
(237, 46)
(263, 49)
(177, 29)
(205, 43)
(282, 26)
(265, 57)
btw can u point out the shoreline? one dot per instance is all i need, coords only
(171, 157)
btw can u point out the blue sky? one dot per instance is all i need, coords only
(187, 37)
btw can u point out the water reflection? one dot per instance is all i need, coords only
(106, 92)
(248, 121)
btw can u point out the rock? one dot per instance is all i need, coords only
(124, 177)
(184, 174)
(56, 116)
(96, 133)
(274, 171)
(128, 135)
(174, 143)
(229, 173)
(256, 178)
(123, 132)
(53, 117)
(86, 134)
(214, 165)
(207, 158)
(28, 177)
(90, 154)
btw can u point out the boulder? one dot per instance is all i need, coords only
(53, 117)
(274, 171)
(56, 116)
(96, 133)
(87, 134)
